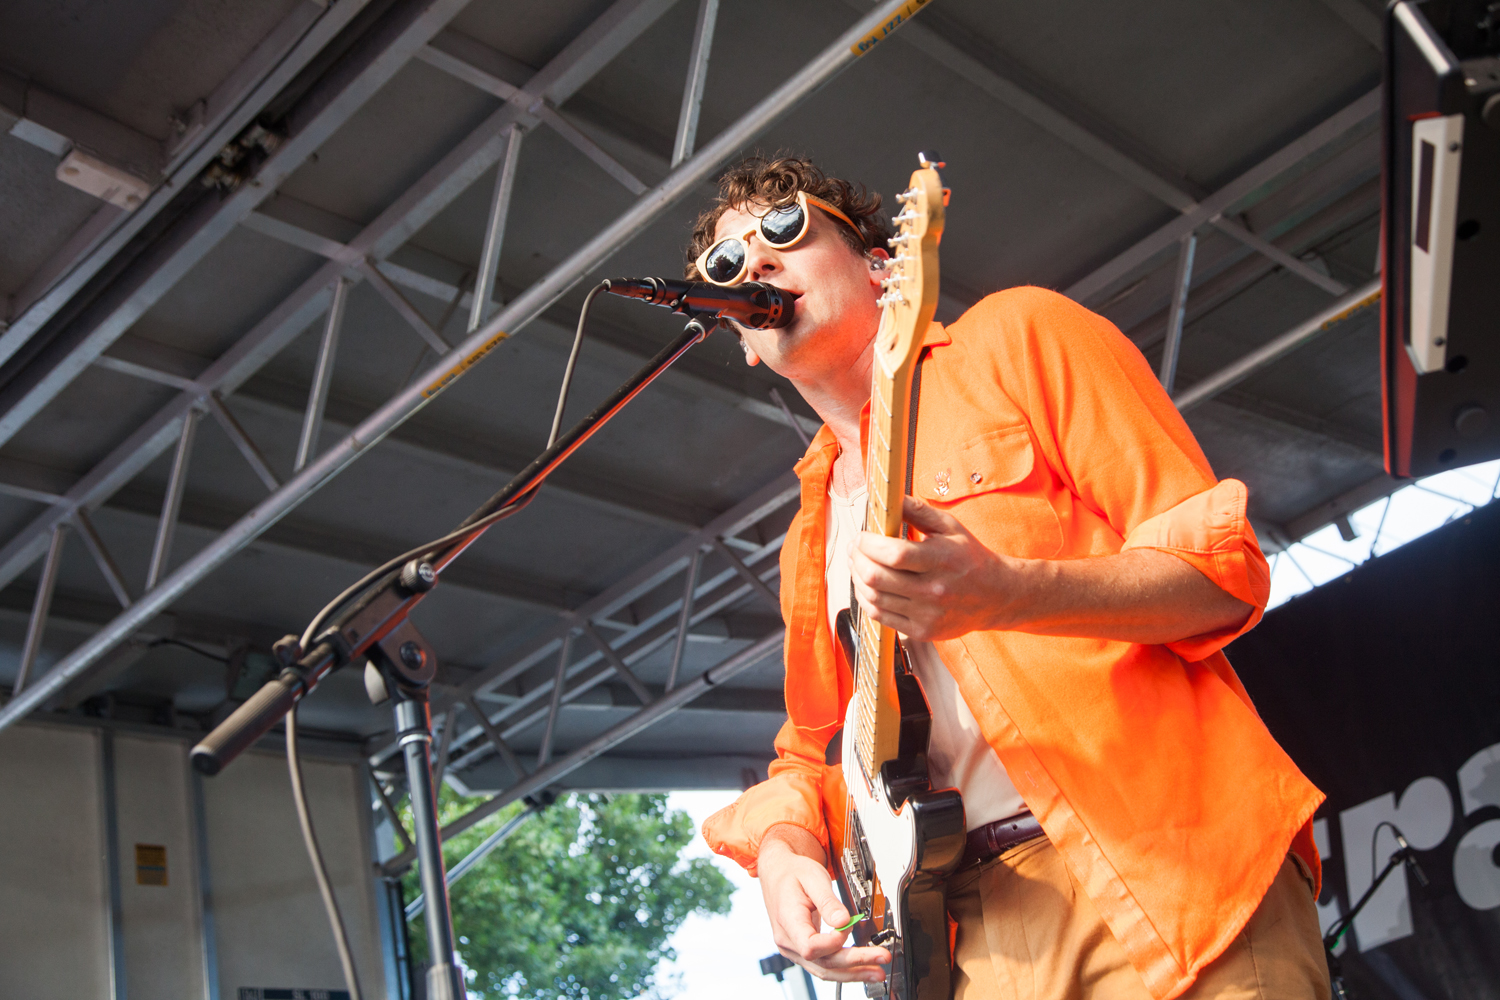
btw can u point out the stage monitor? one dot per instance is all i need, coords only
(1440, 235)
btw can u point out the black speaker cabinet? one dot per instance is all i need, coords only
(1440, 235)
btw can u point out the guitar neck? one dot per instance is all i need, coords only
(885, 480)
(909, 301)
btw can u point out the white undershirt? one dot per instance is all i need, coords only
(957, 754)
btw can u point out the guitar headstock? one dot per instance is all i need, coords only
(911, 285)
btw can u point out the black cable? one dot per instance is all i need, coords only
(310, 839)
(167, 640)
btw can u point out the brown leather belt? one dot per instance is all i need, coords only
(994, 839)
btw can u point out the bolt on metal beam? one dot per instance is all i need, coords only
(171, 504)
(692, 93)
(102, 558)
(494, 232)
(40, 606)
(317, 396)
(241, 440)
(1175, 318)
(392, 228)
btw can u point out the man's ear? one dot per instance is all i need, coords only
(877, 258)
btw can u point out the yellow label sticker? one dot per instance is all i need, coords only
(877, 36)
(463, 366)
(150, 864)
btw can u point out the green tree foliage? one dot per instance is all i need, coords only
(579, 902)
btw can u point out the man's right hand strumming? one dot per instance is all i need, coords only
(800, 898)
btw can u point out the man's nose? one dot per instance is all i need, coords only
(760, 260)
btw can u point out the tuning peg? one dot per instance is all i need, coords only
(930, 158)
(907, 196)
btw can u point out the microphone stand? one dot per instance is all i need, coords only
(1402, 855)
(402, 664)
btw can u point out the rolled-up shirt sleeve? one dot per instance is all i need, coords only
(1210, 532)
(792, 793)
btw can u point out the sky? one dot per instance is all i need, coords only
(718, 957)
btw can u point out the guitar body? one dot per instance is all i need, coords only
(910, 837)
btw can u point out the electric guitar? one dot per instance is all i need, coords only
(901, 837)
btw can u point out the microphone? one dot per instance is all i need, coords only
(1410, 857)
(751, 303)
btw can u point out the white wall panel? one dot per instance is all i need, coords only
(272, 931)
(163, 933)
(54, 898)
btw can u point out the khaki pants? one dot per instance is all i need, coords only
(1026, 932)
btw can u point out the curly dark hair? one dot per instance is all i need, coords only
(776, 181)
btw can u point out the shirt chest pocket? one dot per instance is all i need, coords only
(990, 483)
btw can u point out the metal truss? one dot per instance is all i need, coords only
(651, 609)
(404, 38)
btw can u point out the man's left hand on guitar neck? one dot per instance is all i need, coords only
(945, 583)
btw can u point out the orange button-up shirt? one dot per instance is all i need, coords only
(1042, 429)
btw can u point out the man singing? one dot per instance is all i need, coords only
(1134, 830)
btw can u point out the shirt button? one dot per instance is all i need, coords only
(975, 477)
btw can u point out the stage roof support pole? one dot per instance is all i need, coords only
(40, 606)
(625, 673)
(403, 306)
(692, 94)
(1180, 285)
(494, 233)
(317, 397)
(171, 504)
(853, 43)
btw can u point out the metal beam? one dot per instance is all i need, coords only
(647, 596)
(102, 558)
(493, 735)
(858, 40)
(946, 45)
(317, 396)
(621, 669)
(697, 76)
(588, 147)
(494, 232)
(559, 685)
(437, 288)
(241, 441)
(40, 607)
(684, 617)
(641, 720)
(422, 440)
(1303, 333)
(234, 104)
(1252, 185)
(404, 308)
(1180, 286)
(374, 59)
(171, 504)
